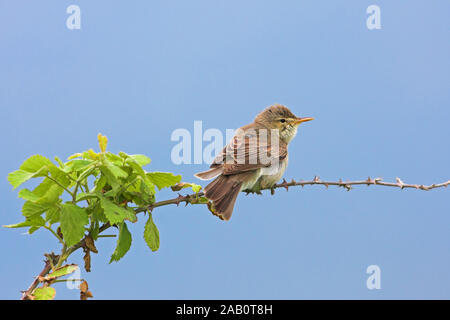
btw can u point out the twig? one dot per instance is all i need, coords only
(54, 233)
(59, 184)
(50, 260)
(369, 181)
(191, 198)
(316, 181)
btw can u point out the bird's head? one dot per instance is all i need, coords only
(280, 117)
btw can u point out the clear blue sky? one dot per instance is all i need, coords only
(137, 70)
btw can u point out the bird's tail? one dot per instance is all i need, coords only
(209, 174)
(223, 192)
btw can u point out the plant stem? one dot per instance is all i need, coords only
(66, 252)
(316, 181)
(65, 280)
(51, 259)
(62, 257)
(74, 194)
(54, 233)
(59, 184)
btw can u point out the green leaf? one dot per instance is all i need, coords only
(30, 209)
(16, 178)
(53, 215)
(35, 163)
(75, 155)
(77, 165)
(99, 184)
(34, 166)
(90, 154)
(145, 181)
(73, 220)
(195, 187)
(61, 164)
(110, 177)
(141, 192)
(33, 221)
(32, 229)
(46, 293)
(136, 167)
(59, 175)
(28, 195)
(112, 193)
(115, 170)
(123, 243)
(48, 192)
(200, 200)
(146, 188)
(84, 196)
(87, 172)
(141, 159)
(163, 179)
(95, 229)
(97, 212)
(123, 155)
(114, 213)
(118, 161)
(151, 234)
(62, 271)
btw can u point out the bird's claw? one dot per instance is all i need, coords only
(247, 192)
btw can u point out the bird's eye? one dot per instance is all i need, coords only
(282, 120)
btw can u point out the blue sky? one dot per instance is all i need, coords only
(138, 70)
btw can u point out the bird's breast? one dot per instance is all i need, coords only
(272, 174)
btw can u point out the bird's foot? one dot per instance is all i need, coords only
(247, 192)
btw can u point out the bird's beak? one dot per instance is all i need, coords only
(300, 120)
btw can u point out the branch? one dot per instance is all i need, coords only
(193, 199)
(50, 260)
(347, 184)
(316, 181)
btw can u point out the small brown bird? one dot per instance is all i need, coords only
(255, 158)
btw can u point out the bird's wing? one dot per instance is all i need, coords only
(247, 151)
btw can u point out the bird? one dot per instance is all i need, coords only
(254, 159)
